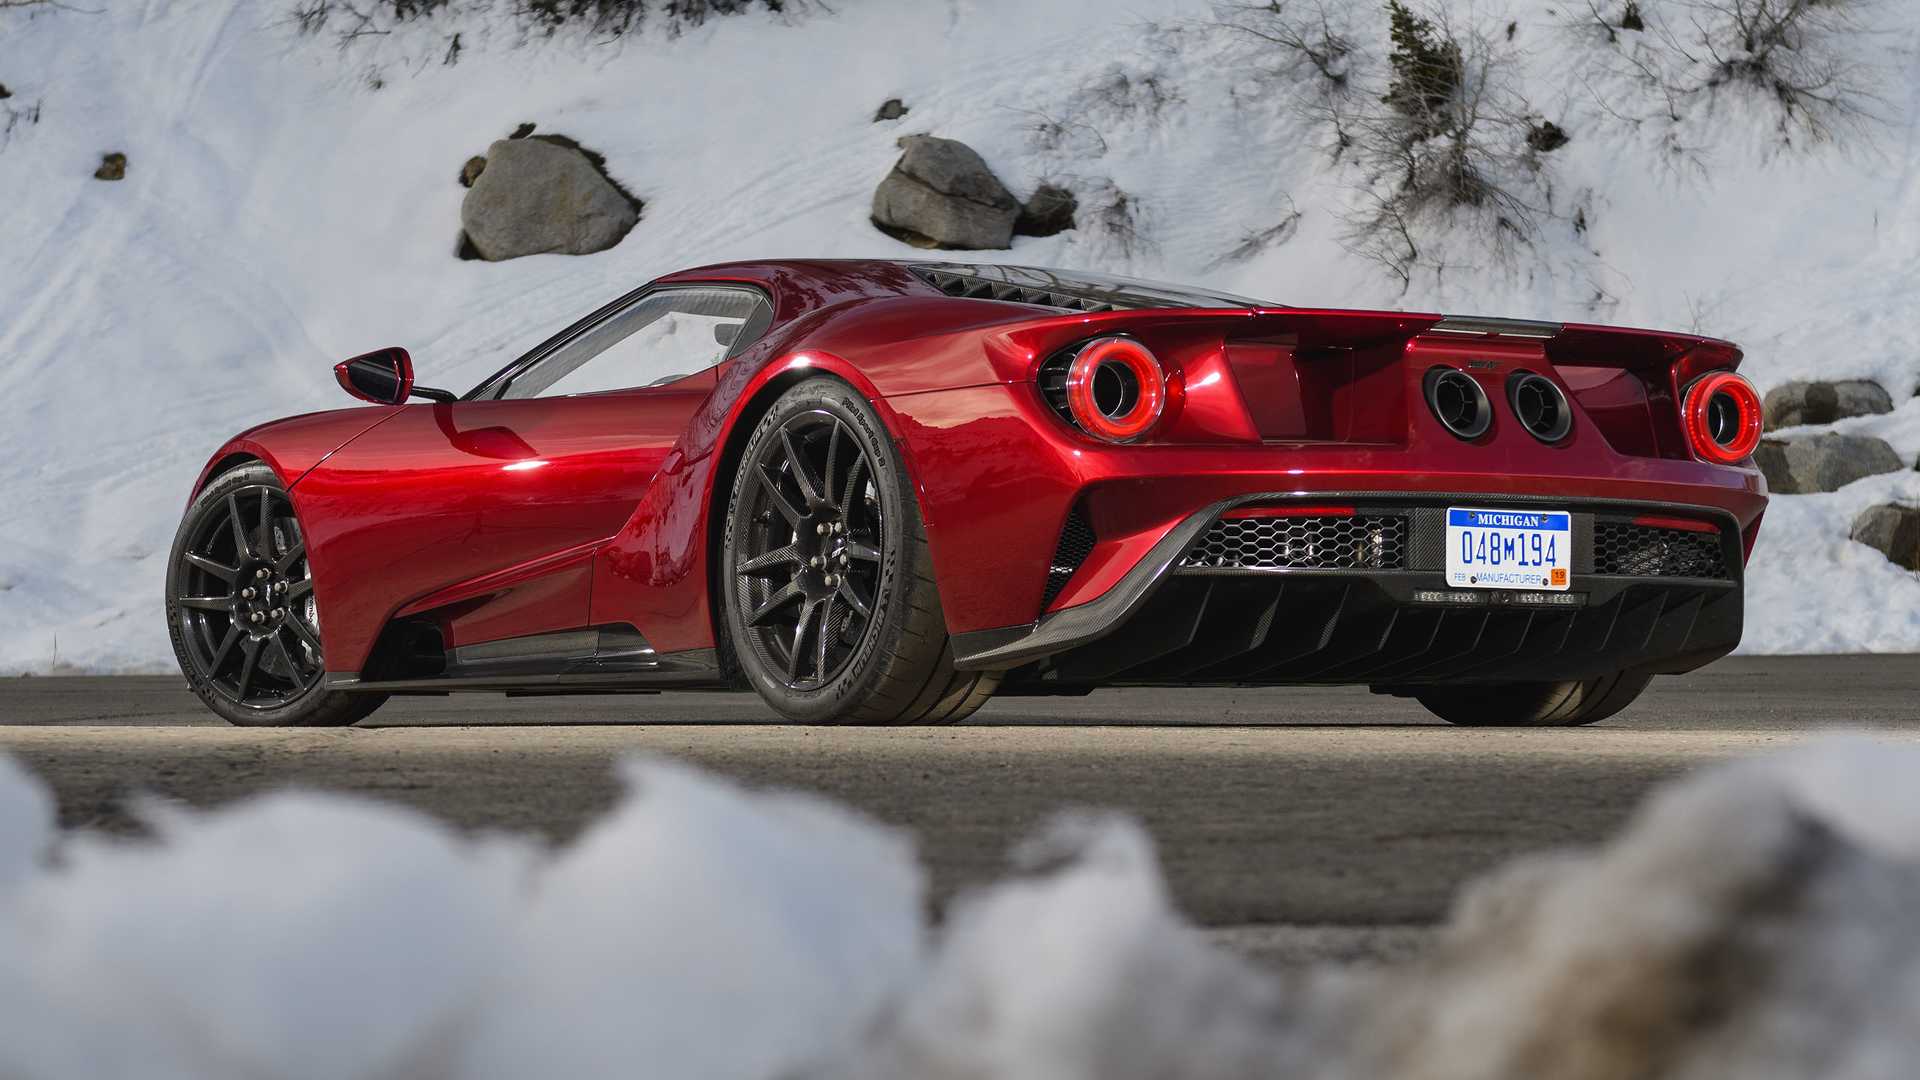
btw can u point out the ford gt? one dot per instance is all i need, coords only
(883, 492)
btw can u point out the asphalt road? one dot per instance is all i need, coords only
(1296, 806)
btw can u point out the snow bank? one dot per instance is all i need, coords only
(698, 931)
(289, 202)
(1757, 920)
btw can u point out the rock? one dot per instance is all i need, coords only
(538, 196)
(1050, 210)
(471, 170)
(1822, 462)
(522, 131)
(1892, 530)
(1547, 135)
(891, 109)
(1824, 402)
(112, 167)
(940, 194)
(4, 92)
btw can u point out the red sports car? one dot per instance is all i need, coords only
(883, 492)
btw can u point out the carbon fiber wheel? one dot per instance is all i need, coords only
(241, 611)
(826, 583)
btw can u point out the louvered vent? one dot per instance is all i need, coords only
(1052, 380)
(968, 286)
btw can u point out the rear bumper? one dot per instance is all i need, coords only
(1369, 604)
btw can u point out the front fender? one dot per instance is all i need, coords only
(293, 446)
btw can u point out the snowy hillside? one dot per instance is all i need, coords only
(291, 199)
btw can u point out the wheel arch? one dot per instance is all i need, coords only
(765, 389)
(230, 457)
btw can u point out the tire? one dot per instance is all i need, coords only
(240, 611)
(821, 524)
(1558, 704)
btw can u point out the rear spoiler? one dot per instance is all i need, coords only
(1588, 345)
(1309, 330)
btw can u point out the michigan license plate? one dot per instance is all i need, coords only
(1509, 549)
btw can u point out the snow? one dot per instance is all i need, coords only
(290, 201)
(1753, 920)
(308, 935)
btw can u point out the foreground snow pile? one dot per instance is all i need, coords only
(289, 201)
(1757, 921)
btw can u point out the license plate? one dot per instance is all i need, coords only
(1509, 549)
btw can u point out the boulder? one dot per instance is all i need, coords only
(1050, 210)
(1824, 402)
(1892, 530)
(1822, 462)
(538, 196)
(940, 194)
(1547, 136)
(891, 109)
(112, 167)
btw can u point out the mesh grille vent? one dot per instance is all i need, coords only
(1076, 543)
(1632, 550)
(1303, 543)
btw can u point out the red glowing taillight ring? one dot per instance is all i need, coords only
(1116, 389)
(1723, 417)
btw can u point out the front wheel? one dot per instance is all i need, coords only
(826, 584)
(1555, 704)
(241, 612)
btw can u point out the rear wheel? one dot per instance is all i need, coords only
(1557, 704)
(827, 586)
(241, 612)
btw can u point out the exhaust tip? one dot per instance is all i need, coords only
(1540, 406)
(1458, 402)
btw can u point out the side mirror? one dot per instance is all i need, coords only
(384, 377)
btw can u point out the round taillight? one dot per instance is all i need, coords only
(1116, 389)
(1458, 402)
(1723, 418)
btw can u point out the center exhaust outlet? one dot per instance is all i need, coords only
(1540, 406)
(1458, 402)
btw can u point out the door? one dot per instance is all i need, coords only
(484, 514)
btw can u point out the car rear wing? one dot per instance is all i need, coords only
(1311, 330)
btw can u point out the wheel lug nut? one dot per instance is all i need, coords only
(816, 562)
(831, 580)
(260, 573)
(246, 593)
(821, 529)
(255, 617)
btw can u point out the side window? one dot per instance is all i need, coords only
(662, 336)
